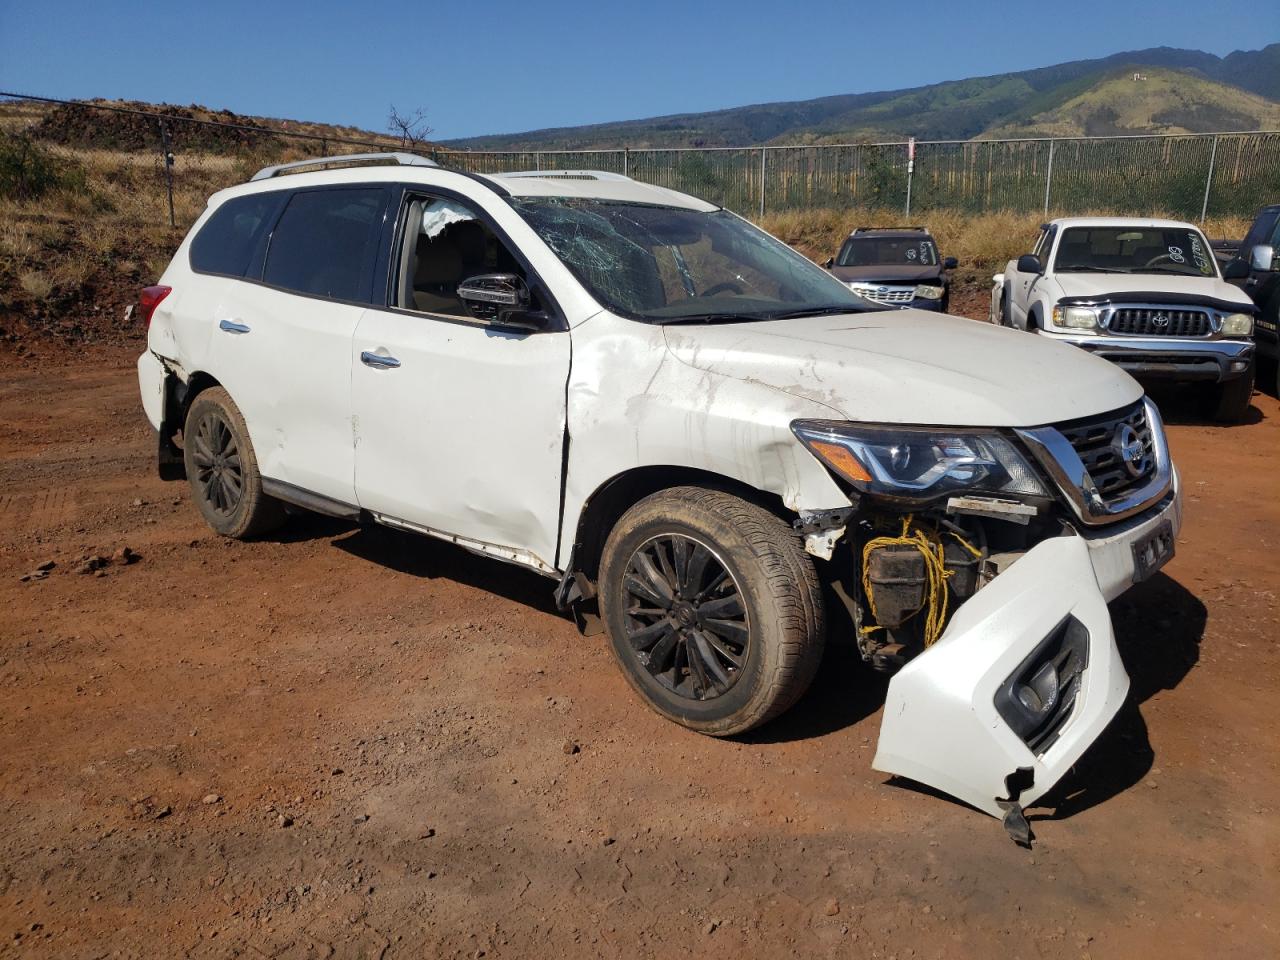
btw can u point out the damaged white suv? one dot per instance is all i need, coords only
(680, 419)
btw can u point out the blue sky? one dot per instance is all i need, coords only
(502, 67)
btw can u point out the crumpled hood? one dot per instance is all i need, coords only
(1101, 285)
(911, 366)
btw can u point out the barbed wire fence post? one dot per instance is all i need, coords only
(1208, 180)
(1048, 180)
(166, 157)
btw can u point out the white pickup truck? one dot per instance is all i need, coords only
(1146, 294)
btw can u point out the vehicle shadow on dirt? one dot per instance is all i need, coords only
(1188, 408)
(431, 559)
(1159, 627)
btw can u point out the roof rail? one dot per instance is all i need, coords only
(890, 229)
(565, 174)
(403, 159)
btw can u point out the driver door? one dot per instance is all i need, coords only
(1020, 301)
(460, 425)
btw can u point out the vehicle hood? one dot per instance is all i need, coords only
(910, 366)
(1103, 285)
(882, 273)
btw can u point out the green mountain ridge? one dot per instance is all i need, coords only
(952, 110)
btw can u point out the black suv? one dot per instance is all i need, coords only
(896, 267)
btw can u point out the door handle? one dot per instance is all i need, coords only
(378, 360)
(230, 326)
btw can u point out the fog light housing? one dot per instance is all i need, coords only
(1239, 366)
(1037, 698)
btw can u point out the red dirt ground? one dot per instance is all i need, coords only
(384, 721)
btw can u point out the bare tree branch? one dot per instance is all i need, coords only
(411, 128)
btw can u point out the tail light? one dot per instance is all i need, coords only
(150, 299)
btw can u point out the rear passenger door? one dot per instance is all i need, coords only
(281, 346)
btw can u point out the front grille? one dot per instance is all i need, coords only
(1159, 322)
(883, 294)
(1099, 442)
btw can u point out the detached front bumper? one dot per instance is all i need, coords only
(1167, 357)
(1026, 675)
(943, 723)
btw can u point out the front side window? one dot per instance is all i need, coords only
(227, 242)
(446, 243)
(1165, 250)
(326, 242)
(885, 251)
(670, 264)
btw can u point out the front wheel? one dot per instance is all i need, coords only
(713, 609)
(1230, 400)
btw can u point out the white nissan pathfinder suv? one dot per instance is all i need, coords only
(693, 430)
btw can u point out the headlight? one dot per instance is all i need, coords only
(1078, 318)
(1237, 325)
(917, 465)
(926, 292)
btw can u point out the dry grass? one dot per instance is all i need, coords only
(981, 242)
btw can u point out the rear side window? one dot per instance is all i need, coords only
(326, 242)
(227, 242)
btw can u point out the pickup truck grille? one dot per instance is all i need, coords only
(1159, 322)
(1099, 442)
(884, 294)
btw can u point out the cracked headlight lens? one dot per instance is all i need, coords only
(926, 292)
(915, 465)
(1237, 325)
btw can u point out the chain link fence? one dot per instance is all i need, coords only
(154, 168)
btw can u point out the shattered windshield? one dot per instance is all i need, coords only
(671, 264)
(1176, 250)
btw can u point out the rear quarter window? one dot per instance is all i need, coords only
(326, 242)
(226, 244)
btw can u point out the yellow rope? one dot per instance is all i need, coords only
(929, 543)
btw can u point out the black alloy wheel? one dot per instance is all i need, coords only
(219, 472)
(686, 622)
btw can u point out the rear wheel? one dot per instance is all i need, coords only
(713, 609)
(223, 470)
(1230, 400)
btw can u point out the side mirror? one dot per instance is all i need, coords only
(831, 262)
(1262, 258)
(1029, 263)
(501, 299)
(950, 263)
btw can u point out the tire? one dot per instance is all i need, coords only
(223, 470)
(765, 616)
(1006, 318)
(1231, 399)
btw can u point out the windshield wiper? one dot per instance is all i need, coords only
(1093, 270)
(814, 312)
(711, 318)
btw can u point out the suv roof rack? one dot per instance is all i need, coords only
(566, 175)
(890, 230)
(399, 157)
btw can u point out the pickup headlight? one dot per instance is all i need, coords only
(1077, 318)
(1237, 325)
(915, 465)
(926, 292)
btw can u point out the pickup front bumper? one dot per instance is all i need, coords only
(1025, 677)
(1167, 357)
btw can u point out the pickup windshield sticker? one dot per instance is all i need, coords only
(1175, 254)
(1198, 254)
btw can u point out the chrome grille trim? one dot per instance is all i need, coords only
(1103, 498)
(1157, 321)
(884, 293)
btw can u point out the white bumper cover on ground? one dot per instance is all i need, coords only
(941, 726)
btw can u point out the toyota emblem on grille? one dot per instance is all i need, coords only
(1161, 320)
(882, 289)
(1127, 445)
